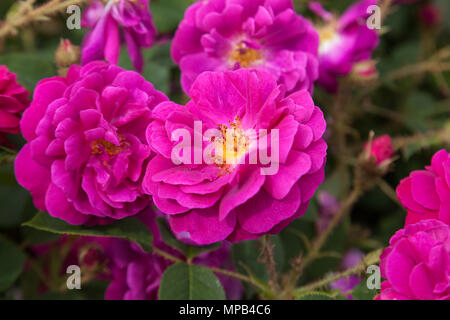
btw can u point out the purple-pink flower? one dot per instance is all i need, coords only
(346, 285)
(328, 207)
(426, 193)
(13, 101)
(416, 265)
(86, 149)
(222, 200)
(219, 35)
(136, 275)
(344, 41)
(104, 40)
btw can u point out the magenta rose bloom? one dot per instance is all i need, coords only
(103, 41)
(86, 147)
(220, 35)
(214, 200)
(417, 263)
(13, 101)
(136, 275)
(426, 193)
(344, 41)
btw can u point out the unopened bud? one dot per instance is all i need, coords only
(378, 155)
(365, 71)
(66, 55)
(430, 15)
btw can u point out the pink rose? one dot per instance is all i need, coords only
(86, 149)
(417, 263)
(426, 193)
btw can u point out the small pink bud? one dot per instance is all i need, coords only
(430, 15)
(67, 54)
(381, 149)
(365, 71)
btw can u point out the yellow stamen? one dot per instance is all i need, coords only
(103, 147)
(245, 56)
(233, 144)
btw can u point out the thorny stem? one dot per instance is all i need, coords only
(435, 65)
(317, 245)
(320, 241)
(267, 257)
(370, 259)
(24, 17)
(424, 139)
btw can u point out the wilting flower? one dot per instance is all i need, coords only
(344, 41)
(86, 149)
(417, 263)
(13, 101)
(345, 285)
(426, 193)
(381, 149)
(250, 194)
(219, 35)
(136, 275)
(103, 41)
(85, 252)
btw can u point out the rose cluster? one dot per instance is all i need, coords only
(416, 265)
(102, 144)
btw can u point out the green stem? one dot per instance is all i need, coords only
(370, 259)
(25, 18)
(337, 219)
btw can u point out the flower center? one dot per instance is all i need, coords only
(232, 145)
(245, 56)
(328, 37)
(107, 150)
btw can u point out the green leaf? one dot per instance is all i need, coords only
(167, 14)
(311, 213)
(316, 296)
(30, 67)
(13, 198)
(33, 236)
(157, 65)
(130, 228)
(188, 250)
(12, 261)
(361, 292)
(189, 282)
(296, 238)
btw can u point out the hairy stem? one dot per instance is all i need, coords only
(337, 219)
(267, 257)
(27, 15)
(370, 259)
